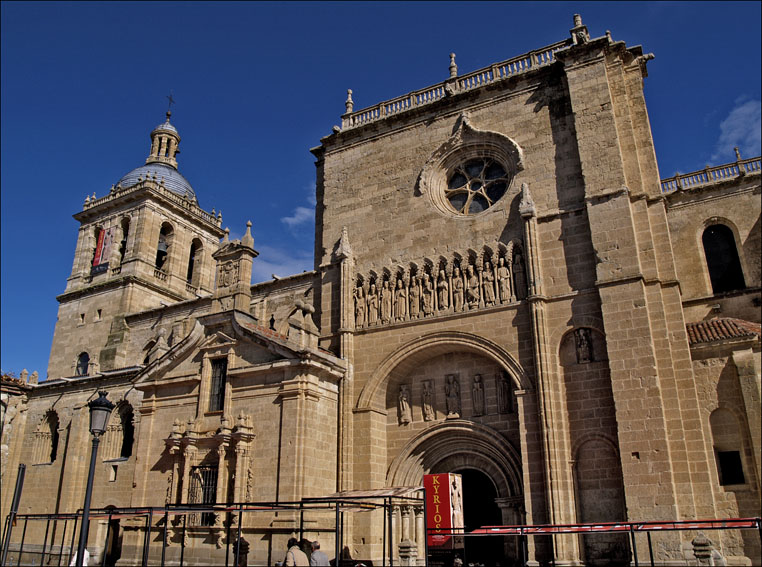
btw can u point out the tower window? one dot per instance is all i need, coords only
(217, 389)
(194, 262)
(730, 468)
(83, 362)
(123, 242)
(722, 259)
(162, 249)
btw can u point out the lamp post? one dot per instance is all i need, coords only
(100, 409)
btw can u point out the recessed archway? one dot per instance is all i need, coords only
(407, 357)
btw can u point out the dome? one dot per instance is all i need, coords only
(166, 127)
(173, 180)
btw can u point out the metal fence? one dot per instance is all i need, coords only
(152, 529)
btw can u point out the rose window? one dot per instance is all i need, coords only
(476, 185)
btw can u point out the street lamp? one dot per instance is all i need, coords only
(100, 410)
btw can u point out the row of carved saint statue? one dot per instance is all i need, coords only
(407, 298)
(452, 398)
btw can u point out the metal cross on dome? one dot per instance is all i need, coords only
(171, 101)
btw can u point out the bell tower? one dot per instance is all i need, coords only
(145, 243)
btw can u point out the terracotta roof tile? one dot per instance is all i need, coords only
(721, 329)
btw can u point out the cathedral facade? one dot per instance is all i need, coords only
(503, 288)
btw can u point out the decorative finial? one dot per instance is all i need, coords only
(738, 154)
(349, 103)
(93, 197)
(453, 66)
(87, 199)
(227, 235)
(214, 212)
(219, 216)
(579, 31)
(526, 206)
(248, 239)
(343, 250)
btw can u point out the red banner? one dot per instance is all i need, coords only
(444, 508)
(103, 248)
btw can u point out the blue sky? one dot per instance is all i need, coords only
(257, 84)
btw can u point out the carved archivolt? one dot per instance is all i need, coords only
(429, 287)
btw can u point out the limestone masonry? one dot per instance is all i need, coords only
(503, 288)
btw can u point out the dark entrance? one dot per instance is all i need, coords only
(480, 509)
(114, 543)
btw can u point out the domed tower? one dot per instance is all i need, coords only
(144, 244)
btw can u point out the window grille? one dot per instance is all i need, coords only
(217, 391)
(203, 490)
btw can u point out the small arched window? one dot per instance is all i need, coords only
(162, 249)
(123, 242)
(46, 439)
(722, 259)
(83, 364)
(194, 262)
(97, 241)
(120, 433)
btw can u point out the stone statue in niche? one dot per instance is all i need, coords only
(503, 393)
(443, 291)
(428, 295)
(477, 393)
(428, 401)
(519, 277)
(361, 307)
(503, 281)
(386, 302)
(403, 406)
(400, 301)
(415, 298)
(372, 305)
(488, 283)
(452, 395)
(457, 290)
(584, 345)
(472, 290)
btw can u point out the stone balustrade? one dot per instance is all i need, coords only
(183, 202)
(470, 81)
(709, 175)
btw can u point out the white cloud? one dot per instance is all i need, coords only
(311, 199)
(300, 216)
(279, 261)
(740, 129)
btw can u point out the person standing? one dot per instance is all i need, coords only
(295, 557)
(318, 557)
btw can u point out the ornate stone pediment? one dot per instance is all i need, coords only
(216, 340)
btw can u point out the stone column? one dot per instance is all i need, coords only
(405, 512)
(552, 403)
(510, 509)
(420, 534)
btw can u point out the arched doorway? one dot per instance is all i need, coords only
(480, 509)
(492, 490)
